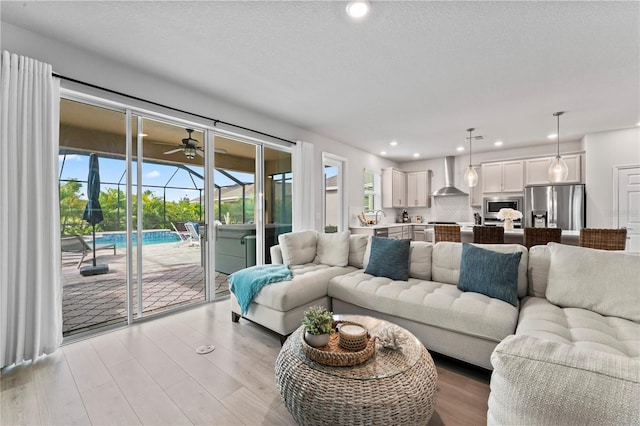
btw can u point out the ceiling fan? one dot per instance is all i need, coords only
(190, 147)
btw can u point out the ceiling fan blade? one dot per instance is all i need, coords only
(173, 151)
(199, 152)
(220, 151)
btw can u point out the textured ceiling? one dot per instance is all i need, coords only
(416, 72)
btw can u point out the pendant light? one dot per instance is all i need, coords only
(470, 175)
(558, 170)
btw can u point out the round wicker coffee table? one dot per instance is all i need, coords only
(392, 387)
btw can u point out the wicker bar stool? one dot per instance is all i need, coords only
(603, 239)
(541, 236)
(488, 234)
(446, 233)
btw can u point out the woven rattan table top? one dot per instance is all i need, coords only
(384, 363)
(392, 387)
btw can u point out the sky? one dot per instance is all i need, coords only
(111, 171)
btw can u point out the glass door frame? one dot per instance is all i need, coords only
(131, 109)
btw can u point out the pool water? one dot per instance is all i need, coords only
(148, 237)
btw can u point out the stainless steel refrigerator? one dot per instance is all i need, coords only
(560, 206)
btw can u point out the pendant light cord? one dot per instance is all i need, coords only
(470, 131)
(558, 114)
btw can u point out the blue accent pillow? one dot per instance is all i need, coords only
(490, 273)
(389, 258)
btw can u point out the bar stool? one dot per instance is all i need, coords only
(446, 233)
(541, 236)
(603, 239)
(488, 234)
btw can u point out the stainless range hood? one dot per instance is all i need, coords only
(448, 189)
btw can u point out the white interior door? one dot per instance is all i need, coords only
(629, 205)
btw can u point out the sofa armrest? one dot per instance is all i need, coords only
(541, 382)
(276, 254)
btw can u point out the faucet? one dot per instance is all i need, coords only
(376, 215)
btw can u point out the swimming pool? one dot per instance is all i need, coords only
(148, 237)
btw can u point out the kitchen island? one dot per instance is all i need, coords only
(516, 236)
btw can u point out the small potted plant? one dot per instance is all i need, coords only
(318, 326)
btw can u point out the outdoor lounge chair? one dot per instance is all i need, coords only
(183, 234)
(75, 245)
(193, 234)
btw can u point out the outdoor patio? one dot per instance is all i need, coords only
(172, 276)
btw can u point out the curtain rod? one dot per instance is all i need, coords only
(215, 121)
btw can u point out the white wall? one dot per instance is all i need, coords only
(82, 65)
(606, 150)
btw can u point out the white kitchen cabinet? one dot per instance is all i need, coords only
(418, 187)
(400, 232)
(537, 169)
(504, 176)
(394, 188)
(418, 232)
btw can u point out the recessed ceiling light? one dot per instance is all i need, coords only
(358, 9)
(460, 148)
(416, 155)
(393, 143)
(552, 136)
(498, 143)
(383, 152)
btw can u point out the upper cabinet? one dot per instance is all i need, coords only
(536, 169)
(504, 176)
(394, 188)
(418, 187)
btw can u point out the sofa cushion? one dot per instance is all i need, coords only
(298, 248)
(420, 260)
(490, 273)
(579, 327)
(541, 382)
(445, 266)
(538, 270)
(602, 281)
(428, 302)
(357, 247)
(333, 248)
(389, 258)
(309, 283)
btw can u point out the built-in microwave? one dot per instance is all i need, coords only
(492, 205)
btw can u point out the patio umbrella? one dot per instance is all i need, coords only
(93, 211)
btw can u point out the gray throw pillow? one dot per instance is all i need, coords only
(389, 258)
(490, 273)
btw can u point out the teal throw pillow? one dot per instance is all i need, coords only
(490, 273)
(389, 258)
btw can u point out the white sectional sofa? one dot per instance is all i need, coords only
(575, 355)
(568, 352)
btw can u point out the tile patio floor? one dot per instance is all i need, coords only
(172, 276)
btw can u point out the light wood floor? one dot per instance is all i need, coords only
(150, 374)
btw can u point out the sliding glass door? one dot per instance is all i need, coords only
(183, 206)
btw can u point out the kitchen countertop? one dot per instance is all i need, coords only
(520, 231)
(386, 225)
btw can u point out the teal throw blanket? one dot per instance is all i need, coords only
(246, 283)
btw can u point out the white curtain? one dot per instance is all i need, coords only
(30, 283)
(304, 169)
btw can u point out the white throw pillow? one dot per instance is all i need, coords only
(333, 248)
(420, 260)
(357, 247)
(601, 281)
(298, 248)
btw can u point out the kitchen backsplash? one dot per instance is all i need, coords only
(452, 209)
